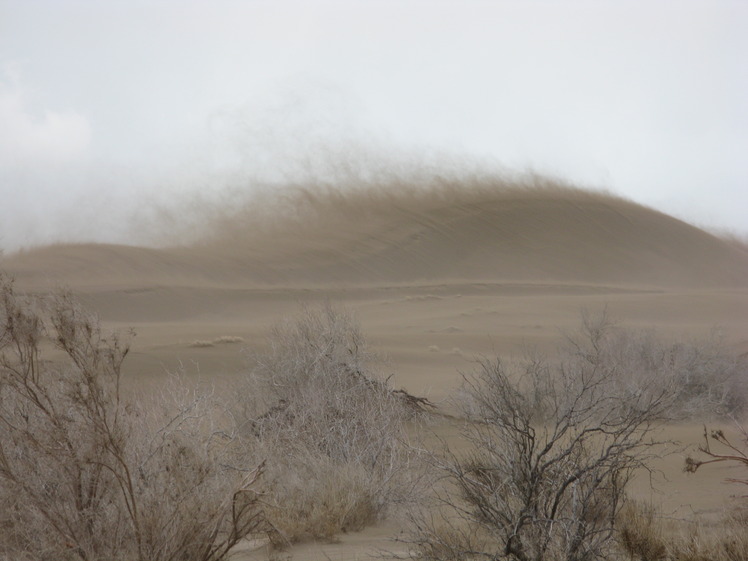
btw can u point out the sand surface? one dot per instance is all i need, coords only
(435, 279)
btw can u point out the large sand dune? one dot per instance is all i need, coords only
(437, 272)
(484, 233)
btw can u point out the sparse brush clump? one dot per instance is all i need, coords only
(646, 536)
(331, 428)
(87, 474)
(707, 380)
(554, 445)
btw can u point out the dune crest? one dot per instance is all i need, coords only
(438, 230)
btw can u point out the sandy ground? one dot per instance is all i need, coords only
(433, 286)
(428, 335)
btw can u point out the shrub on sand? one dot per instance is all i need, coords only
(86, 473)
(555, 442)
(331, 428)
(706, 378)
(646, 536)
(554, 445)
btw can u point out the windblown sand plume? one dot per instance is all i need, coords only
(484, 230)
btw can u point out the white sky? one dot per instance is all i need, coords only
(105, 104)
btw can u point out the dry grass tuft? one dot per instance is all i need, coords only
(640, 533)
(645, 536)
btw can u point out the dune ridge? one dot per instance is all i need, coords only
(438, 230)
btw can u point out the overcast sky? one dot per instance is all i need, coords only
(106, 104)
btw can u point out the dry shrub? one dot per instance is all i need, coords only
(554, 444)
(87, 474)
(734, 453)
(331, 428)
(707, 379)
(321, 499)
(444, 534)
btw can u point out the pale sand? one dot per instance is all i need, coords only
(434, 282)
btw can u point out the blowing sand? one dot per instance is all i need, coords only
(435, 276)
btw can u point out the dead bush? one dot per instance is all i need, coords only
(734, 453)
(707, 379)
(554, 444)
(331, 428)
(87, 474)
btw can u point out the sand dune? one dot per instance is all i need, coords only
(437, 271)
(481, 232)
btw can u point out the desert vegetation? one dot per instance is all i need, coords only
(645, 535)
(315, 441)
(87, 473)
(331, 427)
(314, 445)
(554, 443)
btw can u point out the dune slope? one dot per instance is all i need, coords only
(488, 233)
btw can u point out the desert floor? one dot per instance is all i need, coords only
(426, 336)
